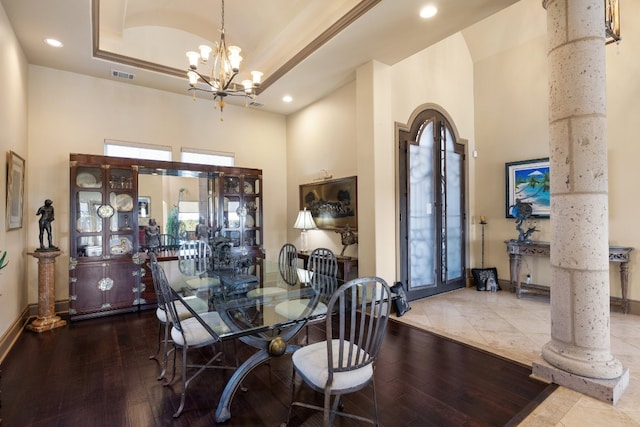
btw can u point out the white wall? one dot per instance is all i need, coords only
(511, 125)
(511, 105)
(71, 113)
(13, 137)
(491, 79)
(441, 76)
(351, 133)
(321, 136)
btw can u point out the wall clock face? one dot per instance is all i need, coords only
(105, 211)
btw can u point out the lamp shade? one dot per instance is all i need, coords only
(304, 276)
(304, 221)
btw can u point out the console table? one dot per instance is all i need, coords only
(517, 249)
(345, 265)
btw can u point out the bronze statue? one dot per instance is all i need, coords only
(152, 235)
(348, 238)
(46, 218)
(203, 231)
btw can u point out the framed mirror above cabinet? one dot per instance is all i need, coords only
(117, 202)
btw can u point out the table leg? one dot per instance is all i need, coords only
(223, 412)
(624, 284)
(514, 270)
(346, 270)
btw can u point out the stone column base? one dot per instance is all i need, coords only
(605, 390)
(42, 324)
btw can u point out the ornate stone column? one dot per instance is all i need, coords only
(579, 352)
(47, 318)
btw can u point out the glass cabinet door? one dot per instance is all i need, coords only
(253, 219)
(88, 198)
(121, 224)
(241, 210)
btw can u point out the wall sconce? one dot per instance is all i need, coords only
(324, 177)
(304, 222)
(612, 21)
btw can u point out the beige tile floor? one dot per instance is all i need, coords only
(517, 329)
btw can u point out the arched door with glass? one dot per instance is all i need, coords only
(432, 216)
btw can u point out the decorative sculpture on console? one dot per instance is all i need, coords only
(522, 211)
(348, 238)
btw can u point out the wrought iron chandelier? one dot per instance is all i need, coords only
(226, 66)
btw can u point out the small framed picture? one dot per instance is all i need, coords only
(528, 182)
(15, 190)
(144, 207)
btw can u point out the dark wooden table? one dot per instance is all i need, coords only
(347, 266)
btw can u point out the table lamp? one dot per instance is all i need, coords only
(304, 276)
(304, 222)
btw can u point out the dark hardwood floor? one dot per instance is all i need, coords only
(98, 373)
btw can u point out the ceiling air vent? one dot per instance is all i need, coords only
(122, 75)
(255, 104)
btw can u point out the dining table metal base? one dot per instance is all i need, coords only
(223, 412)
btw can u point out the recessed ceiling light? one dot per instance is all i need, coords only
(428, 11)
(287, 98)
(53, 42)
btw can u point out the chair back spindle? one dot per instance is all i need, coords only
(287, 261)
(194, 257)
(323, 261)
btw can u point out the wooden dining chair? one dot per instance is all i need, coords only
(188, 334)
(344, 362)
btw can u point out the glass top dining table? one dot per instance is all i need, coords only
(262, 304)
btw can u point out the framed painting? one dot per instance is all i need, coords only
(528, 182)
(15, 190)
(144, 207)
(333, 203)
(482, 275)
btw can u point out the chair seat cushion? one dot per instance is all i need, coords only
(198, 305)
(195, 334)
(265, 292)
(203, 282)
(312, 364)
(294, 309)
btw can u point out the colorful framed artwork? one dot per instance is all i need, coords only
(15, 190)
(333, 203)
(528, 182)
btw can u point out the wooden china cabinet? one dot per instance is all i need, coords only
(104, 261)
(238, 199)
(108, 271)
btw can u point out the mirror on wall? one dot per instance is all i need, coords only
(177, 200)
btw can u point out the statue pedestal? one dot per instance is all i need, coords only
(47, 318)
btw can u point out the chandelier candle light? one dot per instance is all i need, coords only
(304, 222)
(226, 66)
